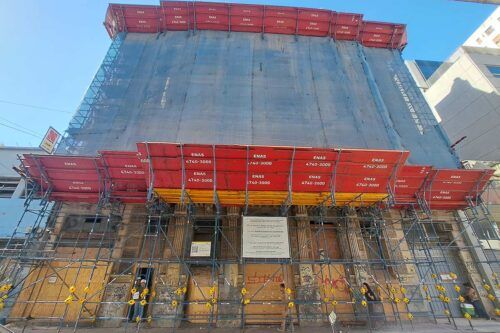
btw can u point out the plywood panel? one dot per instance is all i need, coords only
(198, 295)
(262, 282)
(52, 290)
(330, 279)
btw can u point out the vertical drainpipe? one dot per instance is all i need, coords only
(379, 101)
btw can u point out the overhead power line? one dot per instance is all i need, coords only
(20, 130)
(35, 106)
(19, 125)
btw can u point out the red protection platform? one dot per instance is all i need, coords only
(196, 15)
(253, 175)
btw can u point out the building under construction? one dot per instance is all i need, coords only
(225, 149)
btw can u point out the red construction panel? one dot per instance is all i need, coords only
(420, 171)
(247, 10)
(457, 175)
(444, 196)
(211, 8)
(126, 173)
(313, 166)
(315, 154)
(379, 27)
(373, 156)
(69, 162)
(168, 179)
(361, 184)
(280, 25)
(215, 19)
(199, 179)
(235, 165)
(144, 25)
(121, 159)
(139, 11)
(129, 186)
(370, 37)
(246, 23)
(311, 182)
(76, 186)
(174, 150)
(345, 32)
(178, 22)
(196, 163)
(270, 153)
(268, 165)
(374, 169)
(231, 181)
(175, 8)
(314, 14)
(231, 152)
(347, 19)
(166, 163)
(409, 182)
(313, 28)
(260, 181)
(281, 12)
(196, 151)
(59, 174)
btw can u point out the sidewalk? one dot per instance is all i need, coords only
(480, 325)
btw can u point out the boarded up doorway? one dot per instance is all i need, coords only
(198, 295)
(262, 282)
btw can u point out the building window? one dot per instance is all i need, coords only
(496, 40)
(479, 41)
(494, 70)
(489, 30)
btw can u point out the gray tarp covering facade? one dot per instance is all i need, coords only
(245, 88)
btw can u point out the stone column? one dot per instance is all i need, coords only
(308, 290)
(170, 276)
(229, 309)
(353, 247)
(397, 252)
(117, 291)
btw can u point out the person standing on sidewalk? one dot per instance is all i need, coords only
(472, 296)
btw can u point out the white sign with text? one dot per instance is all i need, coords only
(265, 237)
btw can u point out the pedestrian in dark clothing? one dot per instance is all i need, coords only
(472, 297)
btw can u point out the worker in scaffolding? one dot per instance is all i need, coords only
(139, 294)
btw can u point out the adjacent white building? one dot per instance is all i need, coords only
(488, 33)
(465, 93)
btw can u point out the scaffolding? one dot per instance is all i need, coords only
(79, 263)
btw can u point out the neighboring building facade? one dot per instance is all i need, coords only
(247, 90)
(488, 33)
(465, 93)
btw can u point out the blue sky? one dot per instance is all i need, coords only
(50, 50)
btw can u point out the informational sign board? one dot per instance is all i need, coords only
(265, 237)
(200, 249)
(49, 141)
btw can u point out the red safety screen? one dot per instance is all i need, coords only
(192, 15)
(246, 170)
(258, 168)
